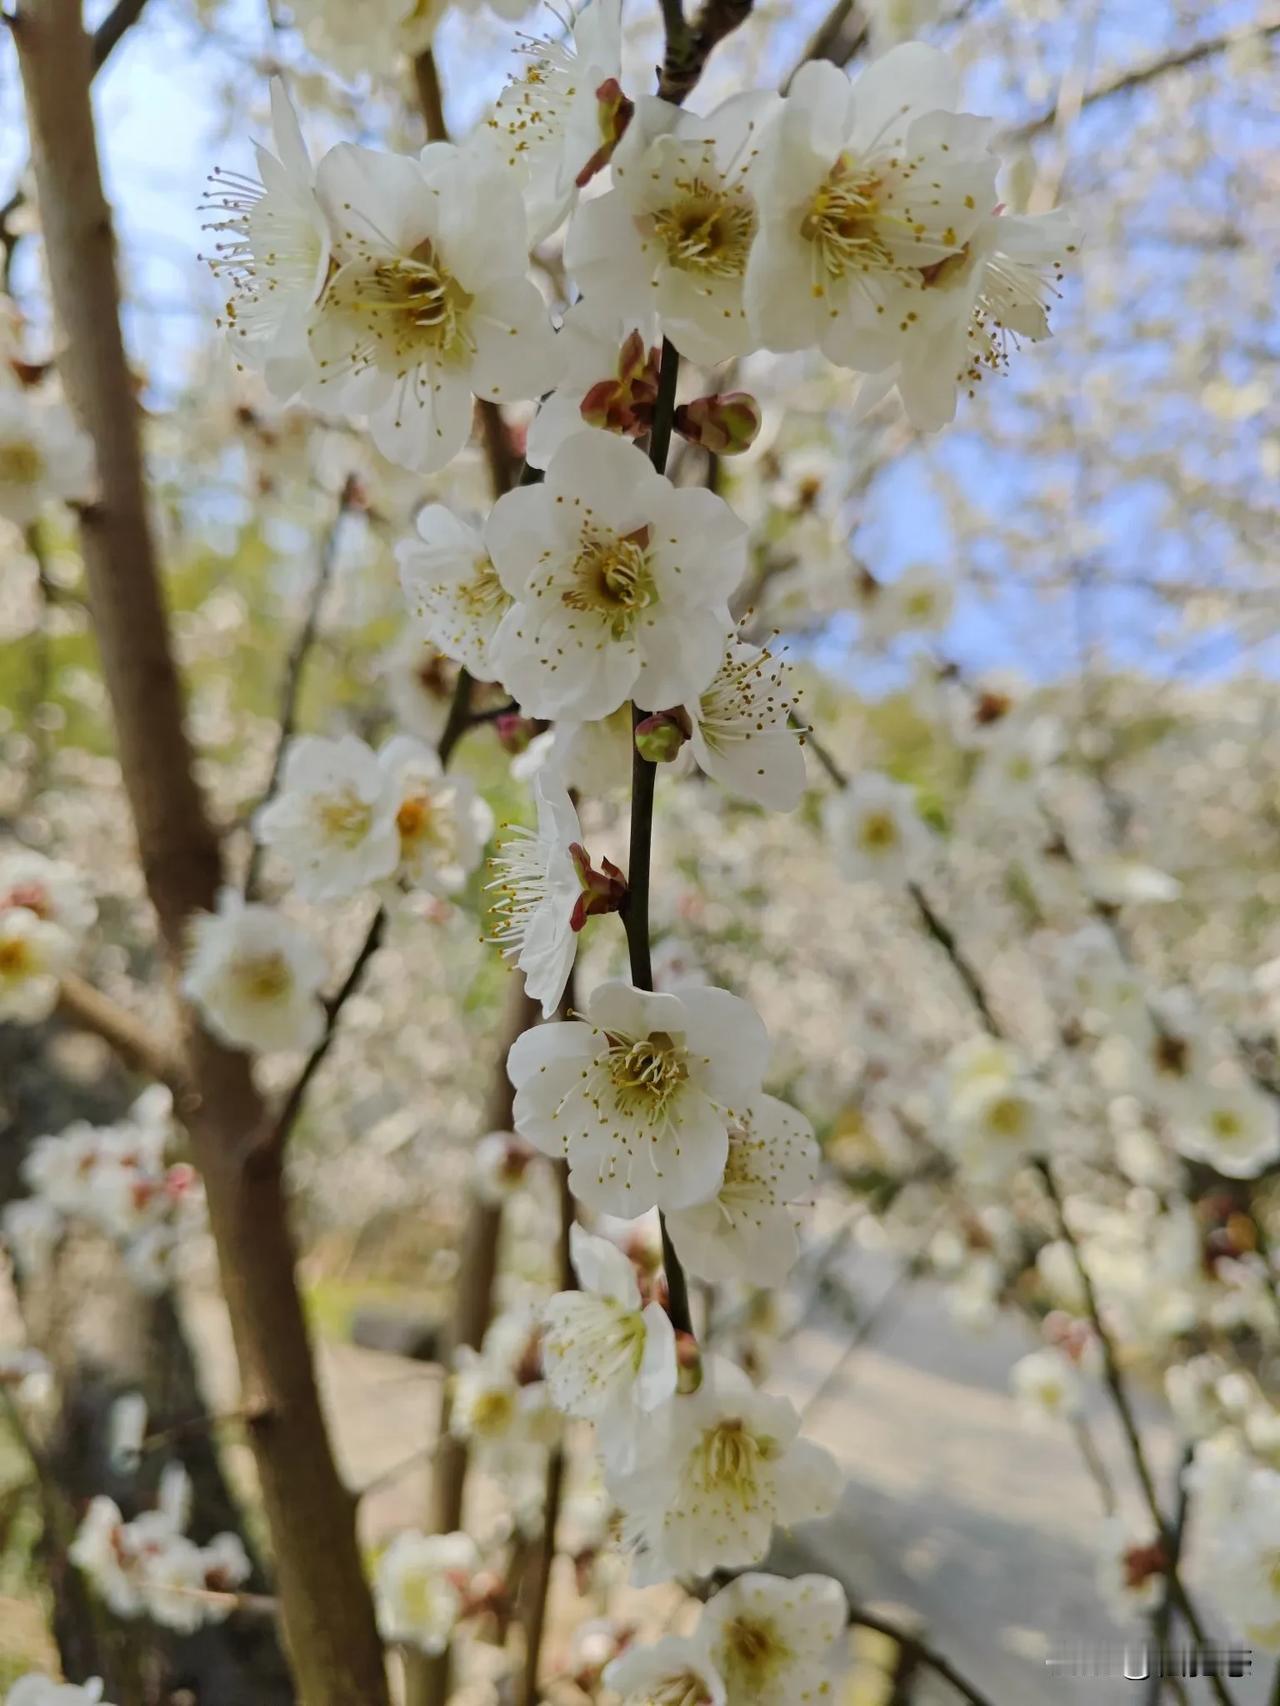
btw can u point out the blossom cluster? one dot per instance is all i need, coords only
(46, 911)
(116, 1179)
(150, 1567)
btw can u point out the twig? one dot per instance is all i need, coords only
(1163, 1615)
(295, 668)
(690, 45)
(87, 1008)
(924, 1654)
(426, 77)
(1083, 1435)
(937, 928)
(1209, 48)
(1115, 1384)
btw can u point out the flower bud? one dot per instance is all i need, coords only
(602, 891)
(725, 425)
(688, 1364)
(660, 736)
(514, 732)
(613, 114)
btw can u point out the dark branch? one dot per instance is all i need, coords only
(690, 45)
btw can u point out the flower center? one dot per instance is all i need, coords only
(21, 463)
(1226, 1124)
(707, 230)
(752, 1651)
(418, 305)
(612, 578)
(1007, 1117)
(878, 832)
(15, 958)
(418, 1595)
(730, 1459)
(345, 817)
(647, 1072)
(845, 224)
(265, 977)
(686, 1688)
(413, 820)
(484, 594)
(492, 1412)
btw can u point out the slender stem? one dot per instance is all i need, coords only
(1163, 1614)
(924, 1654)
(1084, 1439)
(426, 76)
(295, 668)
(1115, 1384)
(80, 1004)
(937, 928)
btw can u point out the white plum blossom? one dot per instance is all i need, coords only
(499, 1166)
(274, 251)
(419, 682)
(876, 832)
(742, 733)
(620, 582)
(995, 292)
(918, 601)
(607, 1357)
(334, 818)
(34, 955)
(675, 1671)
(537, 890)
(723, 1468)
(255, 976)
(452, 589)
(440, 821)
(606, 377)
(1244, 1552)
(641, 1093)
(746, 1231)
(498, 1407)
(429, 304)
(547, 122)
(1130, 1571)
(51, 888)
(420, 1585)
(1233, 1127)
(44, 456)
(149, 1567)
(674, 233)
(1046, 1385)
(777, 1641)
(37, 1690)
(864, 189)
(995, 1115)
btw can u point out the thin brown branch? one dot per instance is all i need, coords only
(426, 77)
(922, 1653)
(690, 44)
(295, 668)
(324, 1598)
(88, 1009)
(1126, 81)
(1114, 1380)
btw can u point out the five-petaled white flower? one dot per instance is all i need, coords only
(721, 1470)
(547, 122)
(43, 455)
(875, 831)
(536, 894)
(452, 588)
(863, 189)
(746, 1231)
(429, 304)
(1046, 1384)
(640, 1095)
(619, 580)
(674, 1671)
(1232, 1127)
(274, 253)
(33, 956)
(742, 733)
(674, 234)
(51, 888)
(441, 822)
(777, 1641)
(334, 819)
(606, 1358)
(419, 1585)
(255, 976)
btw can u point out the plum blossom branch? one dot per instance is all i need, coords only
(80, 1004)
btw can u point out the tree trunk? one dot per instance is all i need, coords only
(325, 1601)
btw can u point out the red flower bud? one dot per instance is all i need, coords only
(725, 425)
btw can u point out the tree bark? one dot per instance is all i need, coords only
(325, 1600)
